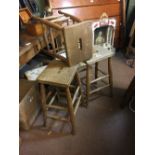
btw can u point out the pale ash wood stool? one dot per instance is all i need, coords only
(95, 60)
(60, 76)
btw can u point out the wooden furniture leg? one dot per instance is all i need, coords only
(96, 70)
(79, 83)
(70, 109)
(87, 82)
(46, 38)
(43, 102)
(110, 76)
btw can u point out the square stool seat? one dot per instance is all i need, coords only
(58, 73)
(101, 55)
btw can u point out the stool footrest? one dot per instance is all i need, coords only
(77, 104)
(56, 107)
(98, 79)
(48, 95)
(58, 118)
(52, 99)
(75, 95)
(98, 89)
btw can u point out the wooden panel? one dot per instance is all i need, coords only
(24, 87)
(91, 9)
(27, 56)
(29, 103)
(27, 52)
(117, 43)
(94, 12)
(118, 20)
(79, 3)
(117, 32)
(78, 43)
(117, 37)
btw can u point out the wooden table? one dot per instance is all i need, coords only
(30, 47)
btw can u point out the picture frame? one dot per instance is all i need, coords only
(103, 33)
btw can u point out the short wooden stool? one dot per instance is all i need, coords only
(96, 59)
(60, 76)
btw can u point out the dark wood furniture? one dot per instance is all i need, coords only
(30, 48)
(92, 9)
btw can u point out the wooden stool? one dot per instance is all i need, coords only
(59, 75)
(98, 57)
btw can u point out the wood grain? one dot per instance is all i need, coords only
(55, 4)
(94, 12)
(57, 73)
(78, 43)
(70, 109)
(29, 106)
(87, 10)
(27, 52)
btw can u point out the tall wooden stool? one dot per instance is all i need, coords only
(103, 40)
(97, 58)
(59, 75)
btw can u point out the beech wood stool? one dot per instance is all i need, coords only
(60, 76)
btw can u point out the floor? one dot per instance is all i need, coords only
(102, 129)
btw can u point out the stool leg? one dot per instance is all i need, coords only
(43, 102)
(110, 76)
(96, 70)
(70, 109)
(87, 83)
(79, 83)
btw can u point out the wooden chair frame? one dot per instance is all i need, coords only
(53, 25)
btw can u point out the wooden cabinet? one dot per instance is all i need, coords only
(29, 105)
(92, 9)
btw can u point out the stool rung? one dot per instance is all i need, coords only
(75, 95)
(77, 104)
(98, 89)
(56, 107)
(100, 78)
(82, 70)
(71, 86)
(52, 99)
(48, 95)
(58, 118)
